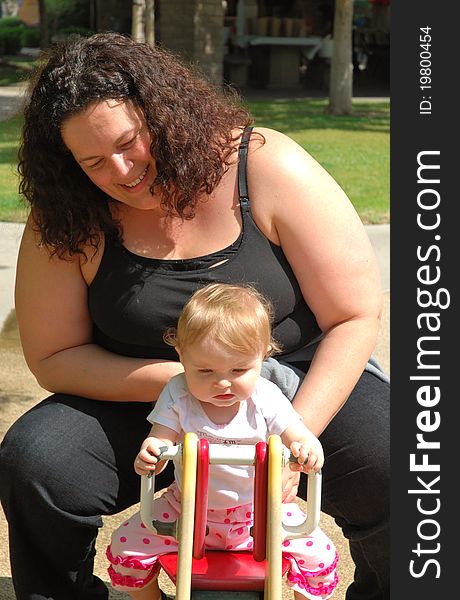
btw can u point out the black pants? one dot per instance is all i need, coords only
(69, 460)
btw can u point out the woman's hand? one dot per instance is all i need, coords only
(290, 485)
(147, 459)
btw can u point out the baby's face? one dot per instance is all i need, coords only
(219, 375)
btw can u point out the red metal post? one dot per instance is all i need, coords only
(259, 530)
(201, 498)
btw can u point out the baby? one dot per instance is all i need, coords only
(222, 338)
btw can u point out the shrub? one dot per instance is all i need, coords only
(7, 22)
(30, 38)
(64, 32)
(10, 39)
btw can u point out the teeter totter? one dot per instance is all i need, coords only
(207, 574)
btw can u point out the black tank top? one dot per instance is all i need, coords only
(134, 299)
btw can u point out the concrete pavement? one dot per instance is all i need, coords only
(10, 237)
(10, 100)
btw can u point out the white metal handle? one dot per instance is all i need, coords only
(313, 510)
(241, 455)
(148, 486)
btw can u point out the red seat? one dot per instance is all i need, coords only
(235, 571)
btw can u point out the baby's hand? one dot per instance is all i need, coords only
(147, 459)
(309, 454)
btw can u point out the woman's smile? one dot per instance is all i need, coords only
(135, 185)
(111, 143)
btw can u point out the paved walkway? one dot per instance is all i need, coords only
(10, 100)
(10, 237)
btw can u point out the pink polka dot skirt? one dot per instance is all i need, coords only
(134, 550)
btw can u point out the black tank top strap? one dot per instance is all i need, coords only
(243, 191)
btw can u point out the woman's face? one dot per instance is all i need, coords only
(111, 143)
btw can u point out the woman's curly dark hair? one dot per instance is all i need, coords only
(191, 120)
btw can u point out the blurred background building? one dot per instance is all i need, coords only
(245, 43)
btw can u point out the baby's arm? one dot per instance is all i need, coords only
(147, 461)
(305, 446)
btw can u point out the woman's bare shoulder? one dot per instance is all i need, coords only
(284, 178)
(273, 141)
(277, 156)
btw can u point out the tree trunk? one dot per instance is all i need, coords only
(341, 82)
(44, 31)
(150, 22)
(137, 25)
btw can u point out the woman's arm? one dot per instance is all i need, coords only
(56, 333)
(299, 206)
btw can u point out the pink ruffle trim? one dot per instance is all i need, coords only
(321, 573)
(130, 562)
(314, 591)
(300, 579)
(127, 581)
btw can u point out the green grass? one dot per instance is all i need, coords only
(11, 206)
(354, 149)
(15, 69)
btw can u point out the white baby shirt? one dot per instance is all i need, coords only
(266, 412)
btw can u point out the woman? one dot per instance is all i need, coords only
(145, 185)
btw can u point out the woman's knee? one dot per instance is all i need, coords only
(356, 472)
(22, 451)
(357, 489)
(56, 452)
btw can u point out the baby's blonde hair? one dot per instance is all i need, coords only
(236, 316)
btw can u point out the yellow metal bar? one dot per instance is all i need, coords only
(273, 584)
(187, 517)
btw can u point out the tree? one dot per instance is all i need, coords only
(44, 31)
(150, 22)
(143, 21)
(341, 81)
(137, 25)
